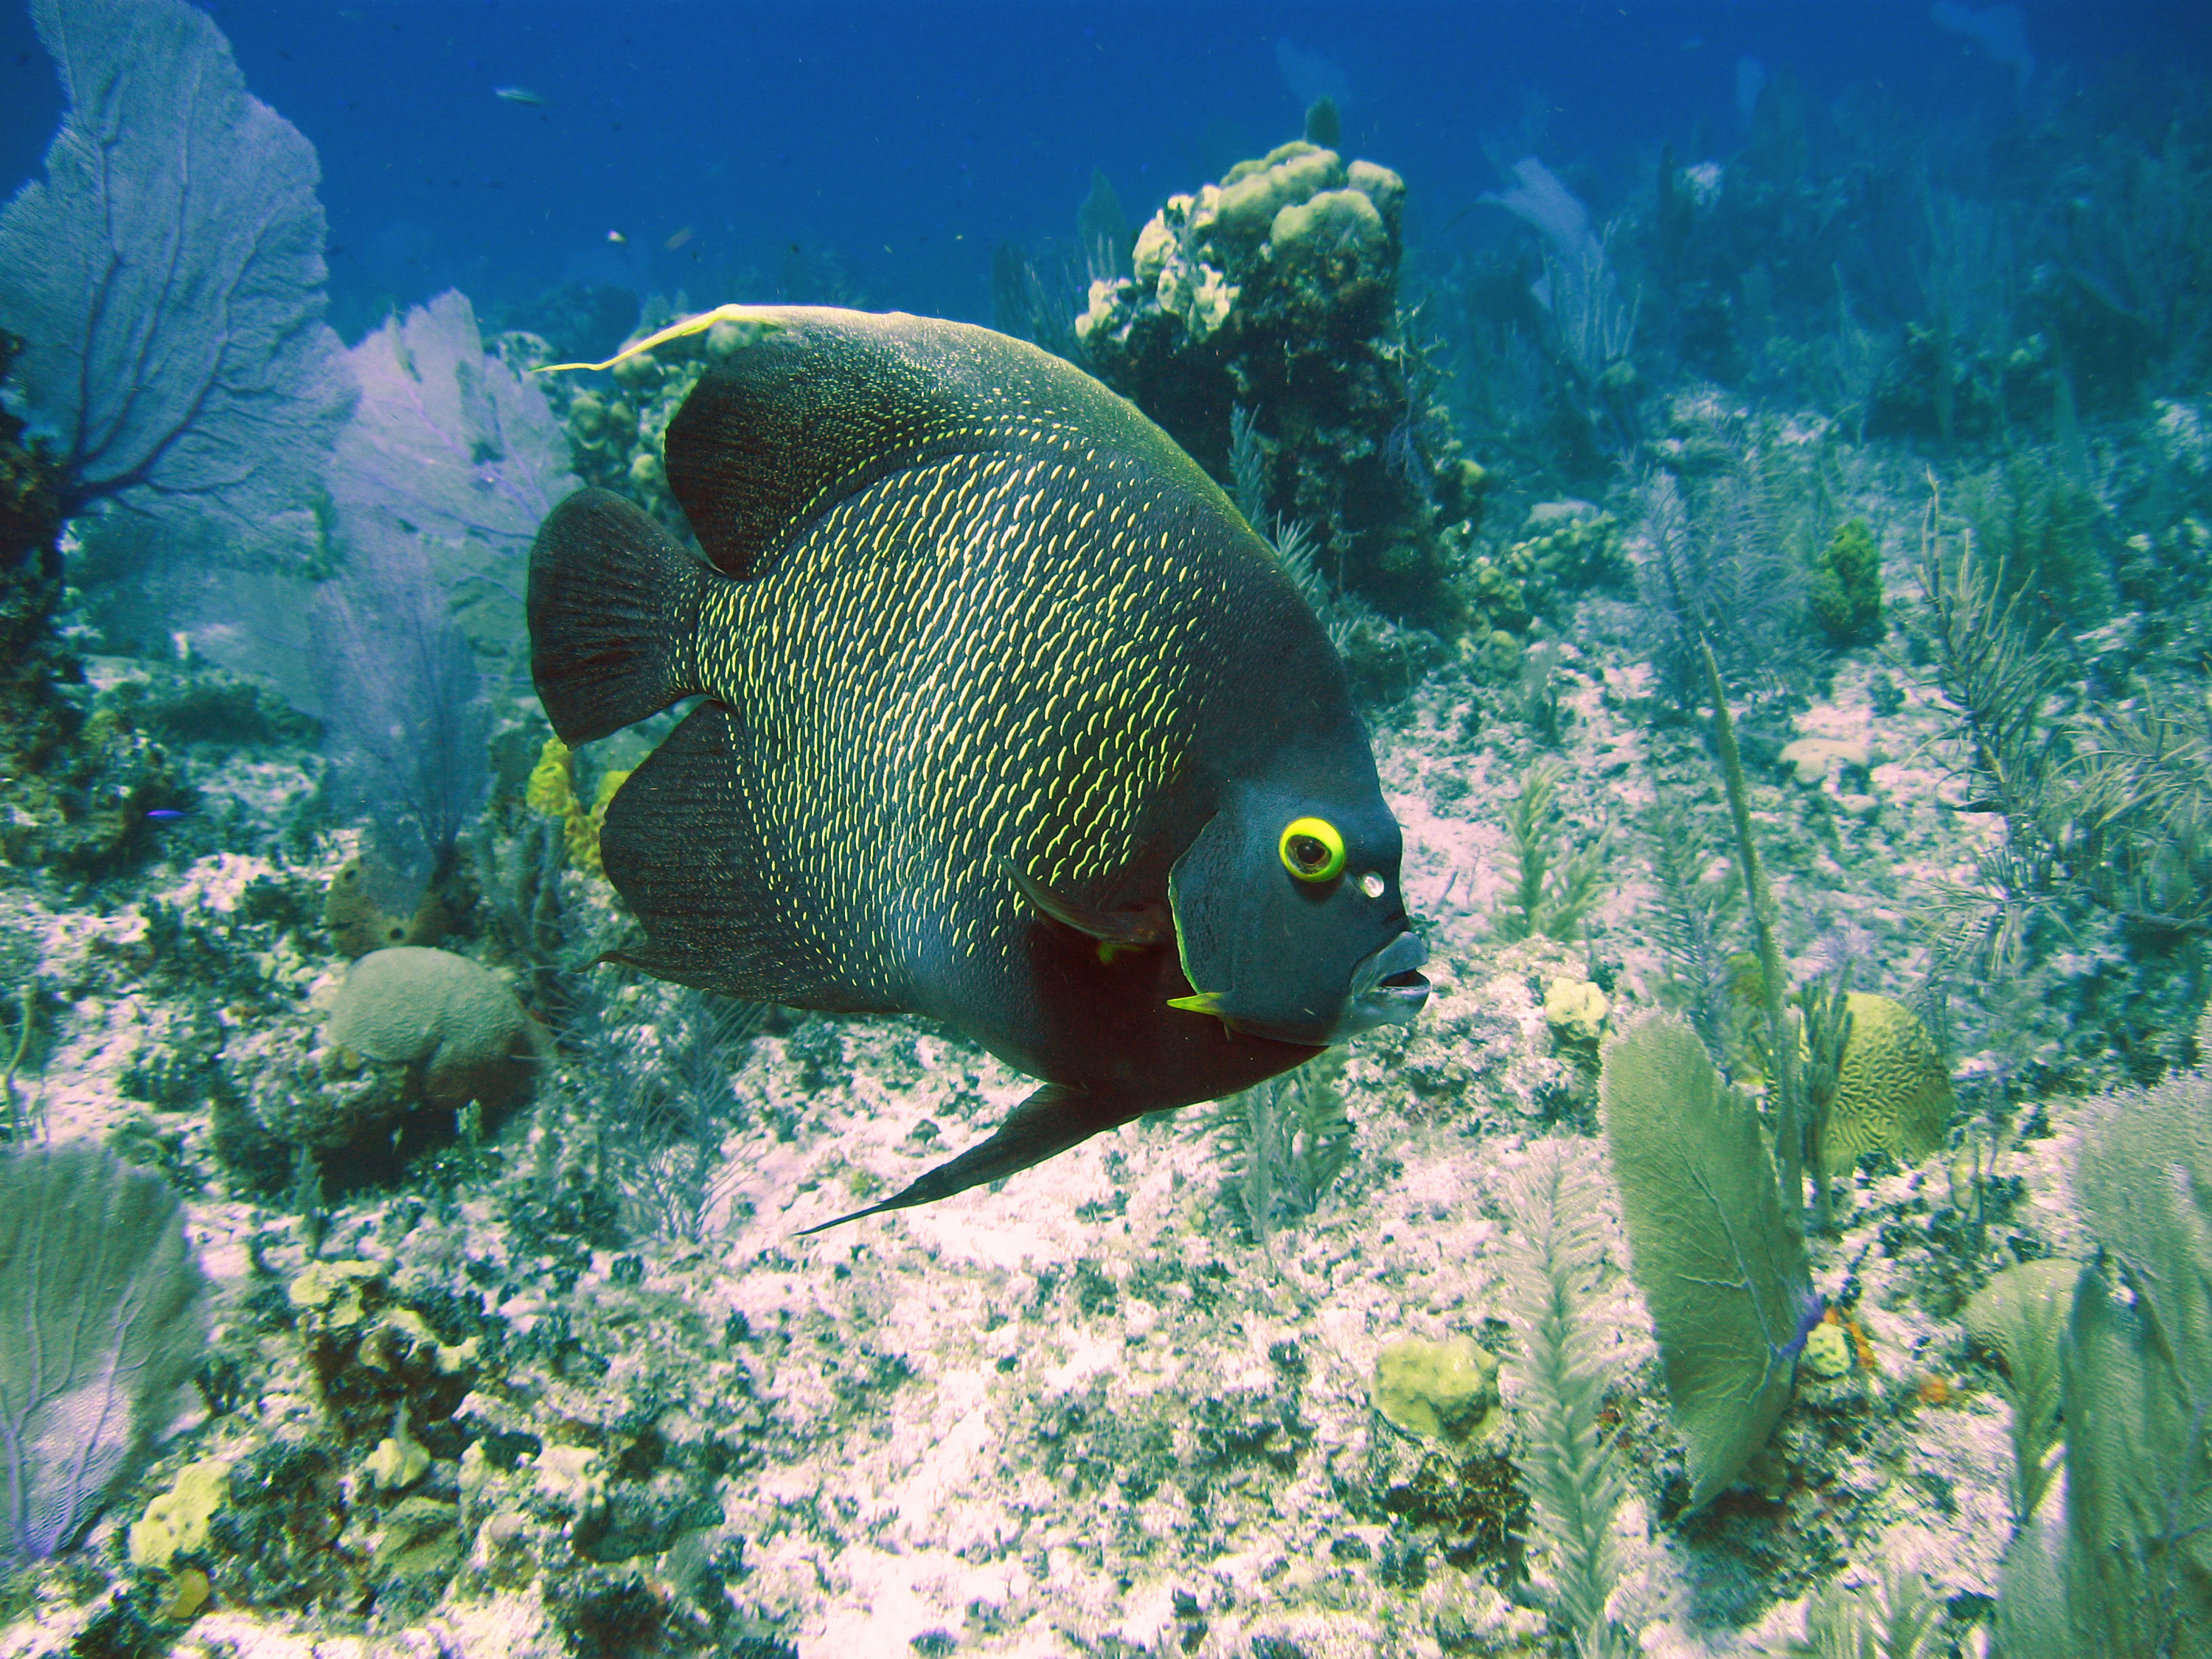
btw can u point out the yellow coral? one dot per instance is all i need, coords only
(1444, 1390)
(178, 1518)
(552, 790)
(553, 781)
(1893, 1089)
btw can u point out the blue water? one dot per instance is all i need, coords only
(907, 140)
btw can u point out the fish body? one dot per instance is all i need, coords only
(522, 95)
(1011, 721)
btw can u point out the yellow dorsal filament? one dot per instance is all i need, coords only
(757, 315)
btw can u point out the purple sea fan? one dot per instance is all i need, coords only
(454, 450)
(99, 1325)
(437, 485)
(168, 277)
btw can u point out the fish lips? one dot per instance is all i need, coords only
(1385, 990)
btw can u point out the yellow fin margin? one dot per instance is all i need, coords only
(699, 325)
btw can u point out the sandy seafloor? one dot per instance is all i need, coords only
(1084, 1414)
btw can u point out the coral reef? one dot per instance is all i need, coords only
(552, 790)
(1504, 1332)
(1712, 1248)
(1275, 293)
(75, 789)
(34, 719)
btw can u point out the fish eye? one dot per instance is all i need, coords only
(1311, 850)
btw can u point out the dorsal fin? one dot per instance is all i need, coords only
(824, 401)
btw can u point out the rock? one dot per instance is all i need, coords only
(1817, 758)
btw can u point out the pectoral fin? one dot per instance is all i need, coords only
(1125, 927)
(1051, 1120)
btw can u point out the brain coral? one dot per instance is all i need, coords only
(455, 1019)
(1893, 1089)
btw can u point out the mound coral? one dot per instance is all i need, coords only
(409, 1025)
(457, 1022)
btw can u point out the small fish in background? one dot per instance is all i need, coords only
(165, 814)
(522, 95)
(1010, 720)
(677, 239)
(616, 236)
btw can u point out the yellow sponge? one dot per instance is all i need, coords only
(178, 1518)
(553, 791)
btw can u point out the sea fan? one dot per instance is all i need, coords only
(99, 1323)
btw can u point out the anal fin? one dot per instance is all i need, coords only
(1051, 1120)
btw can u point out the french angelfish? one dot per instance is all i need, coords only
(1010, 721)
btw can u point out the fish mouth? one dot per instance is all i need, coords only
(1386, 988)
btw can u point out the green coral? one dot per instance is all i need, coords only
(2021, 1313)
(1846, 592)
(1553, 885)
(1564, 545)
(1445, 1390)
(1721, 1265)
(2126, 1569)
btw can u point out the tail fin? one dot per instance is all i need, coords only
(614, 605)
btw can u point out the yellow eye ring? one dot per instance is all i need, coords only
(1311, 850)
